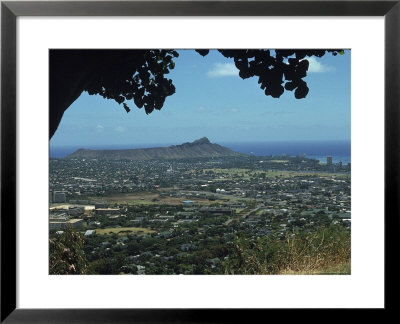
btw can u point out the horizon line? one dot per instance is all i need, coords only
(222, 141)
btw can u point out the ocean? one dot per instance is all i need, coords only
(340, 151)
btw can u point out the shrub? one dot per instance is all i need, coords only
(300, 253)
(66, 253)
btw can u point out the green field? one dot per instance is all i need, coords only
(124, 230)
(247, 173)
(149, 198)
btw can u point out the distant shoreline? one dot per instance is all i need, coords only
(339, 150)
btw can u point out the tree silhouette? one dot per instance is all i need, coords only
(139, 75)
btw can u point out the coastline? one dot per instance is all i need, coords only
(340, 151)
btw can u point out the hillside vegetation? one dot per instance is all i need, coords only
(324, 251)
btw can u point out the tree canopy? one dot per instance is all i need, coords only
(140, 75)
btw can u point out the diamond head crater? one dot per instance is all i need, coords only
(201, 148)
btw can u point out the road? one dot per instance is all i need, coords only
(242, 215)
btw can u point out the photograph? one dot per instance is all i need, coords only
(199, 161)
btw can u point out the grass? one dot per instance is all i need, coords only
(325, 251)
(342, 268)
(149, 198)
(247, 173)
(124, 230)
(337, 269)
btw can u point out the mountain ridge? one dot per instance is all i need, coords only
(201, 147)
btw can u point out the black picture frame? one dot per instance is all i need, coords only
(10, 10)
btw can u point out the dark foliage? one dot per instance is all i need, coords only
(121, 75)
(139, 75)
(273, 70)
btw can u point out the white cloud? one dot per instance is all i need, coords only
(317, 67)
(99, 128)
(222, 70)
(120, 129)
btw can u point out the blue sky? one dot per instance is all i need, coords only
(212, 100)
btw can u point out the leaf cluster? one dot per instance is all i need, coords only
(138, 75)
(276, 72)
